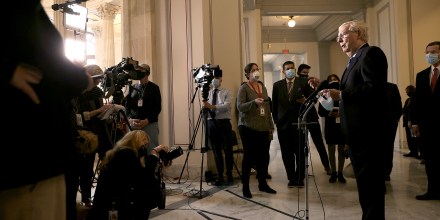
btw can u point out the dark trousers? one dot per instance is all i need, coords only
(316, 134)
(220, 134)
(292, 145)
(256, 146)
(367, 158)
(431, 150)
(389, 150)
(412, 143)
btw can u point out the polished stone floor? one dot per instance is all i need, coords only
(319, 200)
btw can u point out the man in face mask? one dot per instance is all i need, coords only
(315, 130)
(425, 121)
(287, 97)
(143, 105)
(219, 128)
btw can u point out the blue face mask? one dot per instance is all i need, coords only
(432, 58)
(290, 73)
(216, 83)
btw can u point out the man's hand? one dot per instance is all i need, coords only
(23, 78)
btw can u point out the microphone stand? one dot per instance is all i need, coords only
(302, 124)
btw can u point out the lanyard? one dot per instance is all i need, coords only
(258, 92)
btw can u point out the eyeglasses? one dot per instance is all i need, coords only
(343, 35)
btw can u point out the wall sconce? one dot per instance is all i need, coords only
(291, 23)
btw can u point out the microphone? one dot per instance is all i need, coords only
(65, 7)
(316, 94)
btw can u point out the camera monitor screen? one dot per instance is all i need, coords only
(75, 18)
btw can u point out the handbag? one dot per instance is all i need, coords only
(86, 142)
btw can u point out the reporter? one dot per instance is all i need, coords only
(127, 183)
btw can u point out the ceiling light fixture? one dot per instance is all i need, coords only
(291, 23)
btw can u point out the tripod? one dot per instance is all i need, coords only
(204, 114)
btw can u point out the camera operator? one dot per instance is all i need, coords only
(219, 127)
(87, 107)
(143, 105)
(128, 186)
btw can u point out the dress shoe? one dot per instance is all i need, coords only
(341, 178)
(333, 177)
(266, 188)
(300, 184)
(291, 184)
(428, 196)
(247, 192)
(230, 179)
(219, 182)
(328, 170)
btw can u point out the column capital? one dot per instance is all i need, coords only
(107, 11)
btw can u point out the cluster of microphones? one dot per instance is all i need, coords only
(65, 7)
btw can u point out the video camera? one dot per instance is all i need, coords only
(174, 153)
(204, 75)
(120, 75)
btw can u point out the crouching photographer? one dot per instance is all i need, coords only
(129, 184)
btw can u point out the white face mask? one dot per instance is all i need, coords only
(256, 75)
(216, 83)
(432, 58)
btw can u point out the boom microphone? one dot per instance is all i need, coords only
(317, 93)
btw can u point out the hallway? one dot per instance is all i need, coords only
(326, 201)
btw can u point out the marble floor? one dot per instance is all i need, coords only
(319, 200)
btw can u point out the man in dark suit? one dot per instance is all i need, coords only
(315, 128)
(287, 97)
(394, 113)
(425, 120)
(413, 145)
(362, 105)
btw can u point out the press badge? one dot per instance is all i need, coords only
(79, 121)
(140, 102)
(338, 120)
(261, 111)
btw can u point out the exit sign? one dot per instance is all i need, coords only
(285, 51)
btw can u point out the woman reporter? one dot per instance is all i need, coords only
(128, 186)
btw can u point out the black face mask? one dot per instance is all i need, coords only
(142, 152)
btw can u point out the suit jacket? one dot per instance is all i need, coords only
(364, 103)
(286, 112)
(34, 40)
(425, 104)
